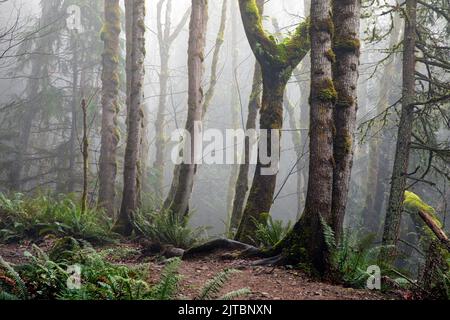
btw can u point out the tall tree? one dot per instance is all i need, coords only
(184, 173)
(379, 144)
(277, 61)
(346, 48)
(234, 109)
(305, 243)
(110, 107)
(400, 171)
(166, 37)
(242, 181)
(135, 81)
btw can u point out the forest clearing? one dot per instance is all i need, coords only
(224, 150)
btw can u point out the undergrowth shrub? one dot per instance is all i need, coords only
(352, 256)
(43, 278)
(32, 218)
(270, 232)
(165, 228)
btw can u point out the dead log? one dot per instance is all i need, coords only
(439, 233)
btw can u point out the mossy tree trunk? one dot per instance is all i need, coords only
(296, 132)
(306, 242)
(242, 183)
(346, 47)
(185, 172)
(110, 107)
(400, 171)
(134, 116)
(165, 39)
(277, 61)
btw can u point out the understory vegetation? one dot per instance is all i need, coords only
(53, 275)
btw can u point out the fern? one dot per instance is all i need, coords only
(168, 285)
(213, 286)
(235, 294)
(34, 218)
(270, 232)
(165, 228)
(20, 284)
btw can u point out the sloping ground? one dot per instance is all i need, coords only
(265, 283)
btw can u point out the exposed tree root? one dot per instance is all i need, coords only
(274, 261)
(223, 244)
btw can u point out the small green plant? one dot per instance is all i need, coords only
(270, 232)
(351, 257)
(167, 287)
(212, 288)
(43, 278)
(33, 218)
(12, 286)
(164, 228)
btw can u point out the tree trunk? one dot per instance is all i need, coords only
(260, 199)
(242, 187)
(134, 118)
(165, 40)
(377, 146)
(110, 108)
(197, 41)
(72, 154)
(231, 192)
(346, 46)
(306, 242)
(277, 61)
(400, 171)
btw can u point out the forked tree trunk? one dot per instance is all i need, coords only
(110, 108)
(184, 173)
(277, 61)
(134, 117)
(346, 47)
(400, 171)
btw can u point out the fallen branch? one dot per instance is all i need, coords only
(223, 244)
(440, 234)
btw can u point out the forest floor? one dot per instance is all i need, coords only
(265, 283)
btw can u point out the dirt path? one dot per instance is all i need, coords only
(265, 283)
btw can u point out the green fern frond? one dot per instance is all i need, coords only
(20, 284)
(235, 294)
(213, 286)
(168, 285)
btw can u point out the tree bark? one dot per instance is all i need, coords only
(110, 108)
(197, 41)
(400, 171)
(306, 242)
(134, 118)
(346, 47)
(277, 61)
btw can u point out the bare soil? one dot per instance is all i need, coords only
(265, 283)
